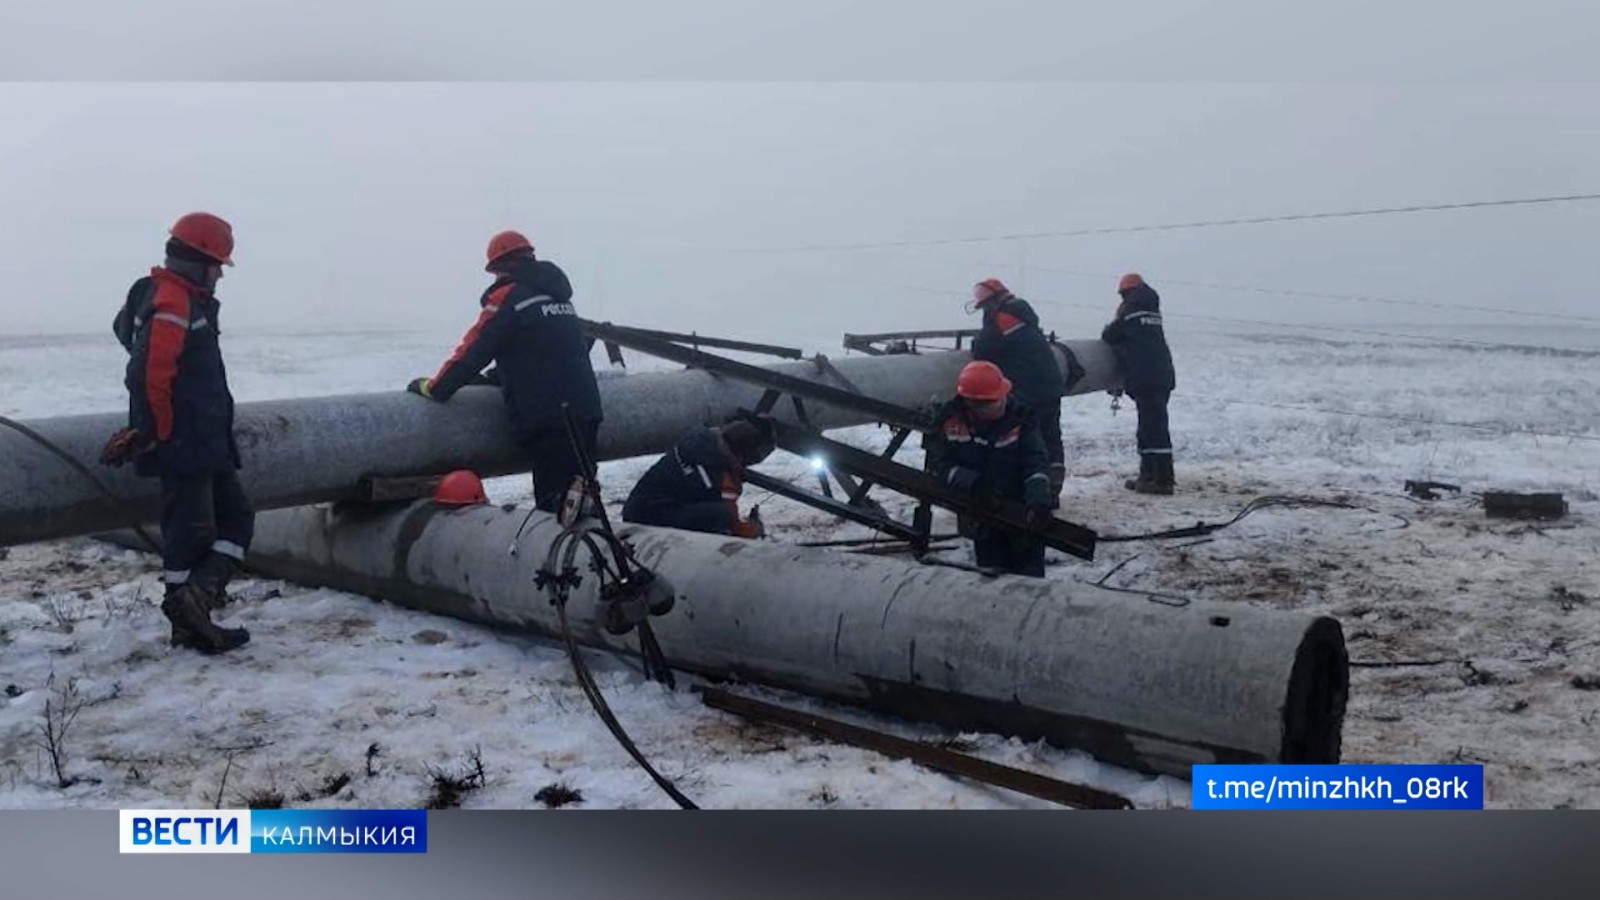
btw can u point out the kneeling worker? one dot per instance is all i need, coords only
(696, 486)
(987, 445)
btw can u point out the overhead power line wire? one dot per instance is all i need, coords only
(1411, 420)
(1321, 295)
(1179, 226)
(1228, 320)
(1372, 332)
(1478, 426)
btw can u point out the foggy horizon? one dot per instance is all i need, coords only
(365, 207)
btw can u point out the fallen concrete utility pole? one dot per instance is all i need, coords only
(1140, 684)
(319, 449)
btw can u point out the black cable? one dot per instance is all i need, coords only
(559, 571)
(1173, 600)
(100, 486)
(1264, 502)
(1203, 528)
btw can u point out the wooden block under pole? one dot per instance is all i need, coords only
(385, 490)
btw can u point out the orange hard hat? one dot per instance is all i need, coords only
(982, 381)
(506, 242)
(989, 289)
(1129, 282)
(460, 488)
(206, 234)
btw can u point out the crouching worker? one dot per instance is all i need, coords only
(180, 428)
(696, 486)
(987, 445)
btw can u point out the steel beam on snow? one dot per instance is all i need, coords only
(1139, 684)
(932, 756)
(319, 449)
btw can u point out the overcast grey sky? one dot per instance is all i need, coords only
(906, 40)
(368, 205)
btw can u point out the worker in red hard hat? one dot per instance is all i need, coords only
(1012, 339)
(987, 445)
(180, 428)
(528, 327)
(1139, 341)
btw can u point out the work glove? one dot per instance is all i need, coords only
(963, 479)
(123, 447)
(422, 387)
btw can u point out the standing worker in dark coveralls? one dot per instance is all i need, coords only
(696, 486)
(1140, 344)
(180, 428)
(529, 328)
(1012, 339)
(987, 445)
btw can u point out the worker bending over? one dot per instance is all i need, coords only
(1012, 339)
(987, 445)
(529, 328)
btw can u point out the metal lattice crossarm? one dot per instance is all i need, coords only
(1067, 537)
(643, 342)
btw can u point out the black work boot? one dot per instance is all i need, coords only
(186, 608)
(211, 577)
(1160, 481)
(1146, 474)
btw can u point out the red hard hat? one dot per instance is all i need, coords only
(982, 381)
(460, 488)
(989, 289)
(206, 234)
(506, 242)
(1129, 281)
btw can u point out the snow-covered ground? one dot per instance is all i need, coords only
(344, 700)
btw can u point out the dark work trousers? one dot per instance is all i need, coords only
(1014, 553)
(201, 514)
(709, 516)
(554, 465)
(1049, 417)
(1154, 440)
